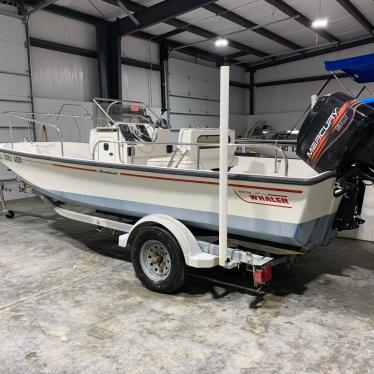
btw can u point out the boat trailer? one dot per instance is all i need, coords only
(197, 253)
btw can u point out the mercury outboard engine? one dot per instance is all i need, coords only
(338, 135)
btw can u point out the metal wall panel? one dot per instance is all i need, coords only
(194, 92)
(194, 106)
(14, 79)
(12, 56)
(12, 29)
(14, 87)
(239, 100)
(11, 107)
(140, 49)
(189, 79)
(295, 97)
(63, 30)
(58, 75)
(141, 85)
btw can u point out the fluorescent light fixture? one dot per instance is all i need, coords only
(221, 42)
(319, 23)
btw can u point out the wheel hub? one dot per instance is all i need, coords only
(159, 259)
(155, 260)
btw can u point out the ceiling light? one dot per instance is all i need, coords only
(221, 42)
(319, 23)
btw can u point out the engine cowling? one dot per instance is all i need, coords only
(338, 135)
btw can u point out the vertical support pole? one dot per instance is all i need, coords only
(251, 92)
(164, 55)
(21, 8)
(102, 57)
(115, 62)
(223, 164)
(109, 59)
(22, 11)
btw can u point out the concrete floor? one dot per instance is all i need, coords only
(68, 304)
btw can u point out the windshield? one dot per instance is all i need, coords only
(110, 112)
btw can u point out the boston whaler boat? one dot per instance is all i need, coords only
(265, 210)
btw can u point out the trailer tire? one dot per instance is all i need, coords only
(158, 260)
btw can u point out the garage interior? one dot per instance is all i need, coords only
(70, 301)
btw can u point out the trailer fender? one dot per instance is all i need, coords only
(193, 254)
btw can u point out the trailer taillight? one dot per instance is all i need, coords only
(263, 275)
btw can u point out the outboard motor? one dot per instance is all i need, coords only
(338, 135)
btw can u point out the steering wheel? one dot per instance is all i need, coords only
(133, 132)
(138, 134)
(150, 133)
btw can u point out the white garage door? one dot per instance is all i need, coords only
(193, 94)
(14, 79)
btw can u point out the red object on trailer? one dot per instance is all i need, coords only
(262, 276)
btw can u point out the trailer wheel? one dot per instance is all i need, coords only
(158, 260)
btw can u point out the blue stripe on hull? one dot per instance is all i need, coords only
(315, 232)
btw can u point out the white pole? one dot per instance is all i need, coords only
(223, 138)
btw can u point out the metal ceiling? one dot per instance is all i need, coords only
(261, 33)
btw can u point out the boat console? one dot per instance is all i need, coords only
(128, 132)
(114, 144)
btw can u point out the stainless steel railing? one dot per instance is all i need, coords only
(248, 143)
(35, 122)
(86, 115)
(199, 146)
(29, 118)
(277, 143)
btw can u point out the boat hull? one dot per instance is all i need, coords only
(274, 209)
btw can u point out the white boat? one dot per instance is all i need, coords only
(131, 167)
(122, 171)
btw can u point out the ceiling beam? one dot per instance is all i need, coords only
(168, 34)
(236, 55)
(211, 35)
(40, 5)
(158, 13)
(247, 24)
(122, 5)
(182, 26)
(67, 12)
(292, 12)
(299, 80)
(191, 51)
(132, 6)
(313, 53)
(357, 15)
